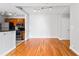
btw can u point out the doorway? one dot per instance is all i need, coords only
(18, 25)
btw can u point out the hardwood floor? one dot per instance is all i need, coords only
(42, 47)
(66, 42)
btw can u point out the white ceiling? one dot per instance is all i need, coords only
(29, 7)
(46, 10)
(11, 8)
(41, 4)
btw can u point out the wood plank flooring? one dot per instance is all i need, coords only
(66, 42)
(42, 47)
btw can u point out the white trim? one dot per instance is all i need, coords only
(4, 54)
(16, 17)
(46, 37)
(74, 50)
(20, 42)
(26, 27)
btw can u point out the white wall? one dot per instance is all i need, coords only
(48, 26)
(26, 27)
(74, 31)
(41, 25)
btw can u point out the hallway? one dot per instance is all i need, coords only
(42, 47)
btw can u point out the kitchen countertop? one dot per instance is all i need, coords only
(7, 30)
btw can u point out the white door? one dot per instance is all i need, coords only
(63, 27)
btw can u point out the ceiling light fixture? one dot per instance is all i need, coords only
(47, 7)
(34, 10)
(6, 13)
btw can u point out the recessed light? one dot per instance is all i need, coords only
(34, 10)
(38, 10)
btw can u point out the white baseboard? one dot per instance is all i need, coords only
(74, 50)
(45, 37)
(4, 54)
(49, 37)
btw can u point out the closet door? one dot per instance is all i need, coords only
(63, 27)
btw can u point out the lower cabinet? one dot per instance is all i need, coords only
(7, 41)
